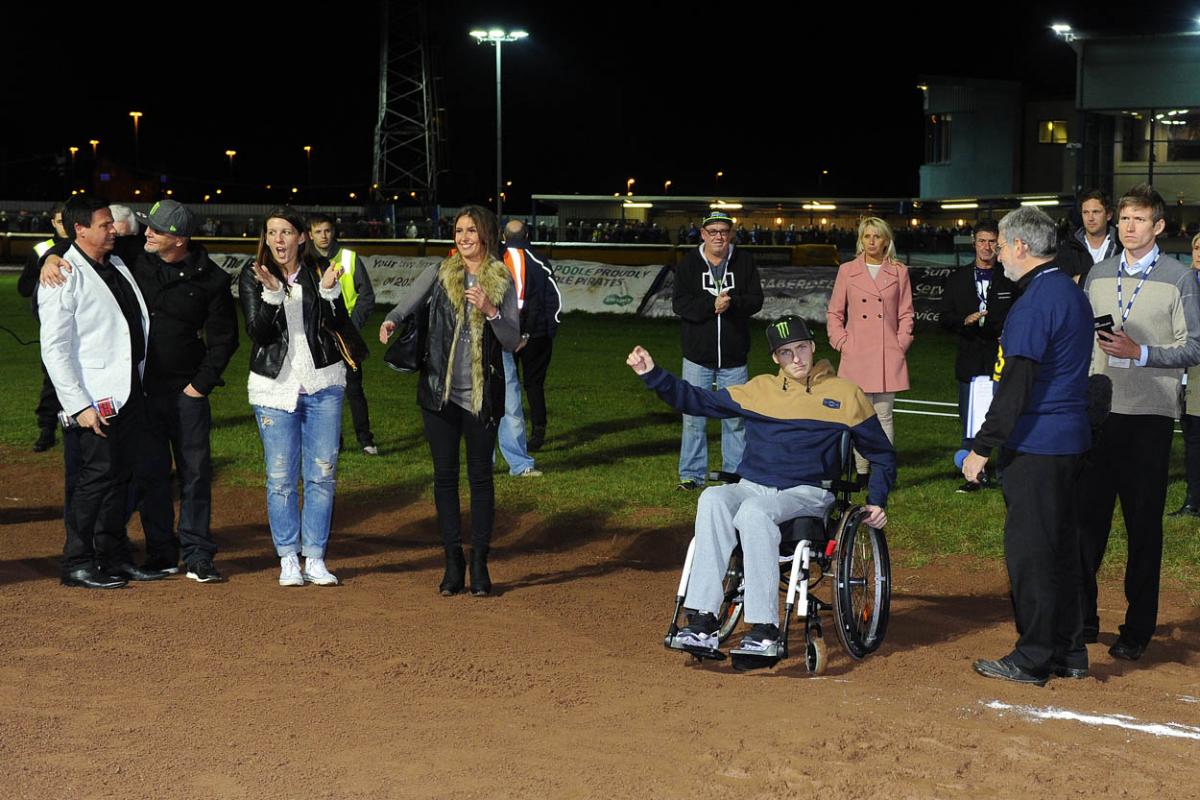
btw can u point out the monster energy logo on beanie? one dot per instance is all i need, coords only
(786, 330)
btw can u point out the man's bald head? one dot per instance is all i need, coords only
(515, 231)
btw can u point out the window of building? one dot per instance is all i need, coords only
(937, 138)
(1181, 131)
(1134, 132)
(1053, 131)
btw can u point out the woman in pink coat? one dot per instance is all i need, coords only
(870, 321)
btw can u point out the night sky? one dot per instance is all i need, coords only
(597, 94)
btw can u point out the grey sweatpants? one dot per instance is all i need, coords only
(756, 511)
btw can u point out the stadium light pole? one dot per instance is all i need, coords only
(137, 145)
(497, 37)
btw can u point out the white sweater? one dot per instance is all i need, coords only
(299, 374)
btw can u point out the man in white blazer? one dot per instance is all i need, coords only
(94, 329)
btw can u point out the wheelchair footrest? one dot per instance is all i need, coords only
(745, 660)
(707, 653)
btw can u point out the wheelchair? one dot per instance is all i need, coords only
(838, 546)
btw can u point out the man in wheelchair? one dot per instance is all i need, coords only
(794, 423)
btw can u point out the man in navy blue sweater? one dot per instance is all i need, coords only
(793, 422)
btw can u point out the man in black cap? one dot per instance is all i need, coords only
(717, 290)
(794, 423)
(193, 335)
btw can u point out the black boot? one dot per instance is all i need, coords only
(537, 438)
(481, 582)
(44, 441)
(456, 568)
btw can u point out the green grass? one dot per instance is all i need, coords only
(612, 448)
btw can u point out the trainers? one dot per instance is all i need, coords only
(689, 485)
(159, 564)
(315, 572)
(701, 631)
(289, 571)
(370, 450)
(762, 636)
(203, 571)
(969, 487)
(530, 472)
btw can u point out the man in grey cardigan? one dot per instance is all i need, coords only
(1155, 310)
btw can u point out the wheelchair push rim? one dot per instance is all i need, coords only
(862, 590)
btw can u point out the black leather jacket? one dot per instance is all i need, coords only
(435, 364)
(266, 324)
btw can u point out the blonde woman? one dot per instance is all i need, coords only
(870, 320)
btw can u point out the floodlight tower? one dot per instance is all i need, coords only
(406, 134)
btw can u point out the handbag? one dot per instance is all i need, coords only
(345, 336)
(407, 349)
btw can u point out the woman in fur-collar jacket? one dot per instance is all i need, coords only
(471, 312)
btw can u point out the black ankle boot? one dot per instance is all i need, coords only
(481, 582)
(456, 568)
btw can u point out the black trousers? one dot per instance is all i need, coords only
(444, 430)
(1041, 550)
(1128, 461)
(48, 405)
(357, 401)
(1191, 458)
(96, 502)
(534, 360)
(178, 427)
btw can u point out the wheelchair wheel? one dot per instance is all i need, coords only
(730, 613)
(814, 655)
(863, 586)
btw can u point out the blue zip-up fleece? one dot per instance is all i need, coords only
(792, 429)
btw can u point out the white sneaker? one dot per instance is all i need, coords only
(315, 572)
(530, 472)
(289, 571)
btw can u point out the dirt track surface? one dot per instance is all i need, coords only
(557, 687)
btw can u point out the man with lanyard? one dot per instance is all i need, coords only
(1154, 335)
(47, 407)
(94, 327)
(975, 305)
(1039, 417)
(1095, 241)
(360, 302)
(717, 290)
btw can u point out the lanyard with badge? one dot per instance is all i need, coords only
(981, 292)
(1122, 309)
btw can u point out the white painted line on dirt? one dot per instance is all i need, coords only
(1189, 699)
(1171, 729)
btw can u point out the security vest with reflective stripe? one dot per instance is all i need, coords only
(514, 259)
(348, 260)
(41, 247)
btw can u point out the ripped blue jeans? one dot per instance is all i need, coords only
(301, 443)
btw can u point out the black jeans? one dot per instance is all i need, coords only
(179, 426)
(1129, 460)
(1191, 458)
(96, 498)
(534, 359)
(357, 401)
(444, 429)
(1041, 550)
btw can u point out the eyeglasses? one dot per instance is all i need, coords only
(719, 233)
(787, 355)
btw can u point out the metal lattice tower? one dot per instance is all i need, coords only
(406, 135)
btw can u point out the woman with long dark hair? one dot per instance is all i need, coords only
(472, 318)
(296, 386)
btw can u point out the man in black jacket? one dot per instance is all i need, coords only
(539, 323)
(974, 305)
(193, 334)
(717, 290)
(1095, 241)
